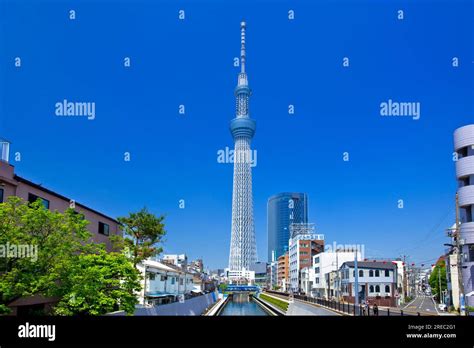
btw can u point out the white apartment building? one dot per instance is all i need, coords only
(316, 277)
(163, 283)
(242, 276)
(303, 245)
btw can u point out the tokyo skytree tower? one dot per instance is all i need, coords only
(243, 249)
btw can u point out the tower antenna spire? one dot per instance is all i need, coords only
(242, 46)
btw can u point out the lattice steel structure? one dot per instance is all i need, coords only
(243, 249)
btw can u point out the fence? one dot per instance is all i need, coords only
(351, 309)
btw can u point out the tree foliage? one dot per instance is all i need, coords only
(68, 265)
(438, 275)
(143, 232)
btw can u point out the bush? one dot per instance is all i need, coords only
(279, 303)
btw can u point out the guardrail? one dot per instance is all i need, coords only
(359, 310)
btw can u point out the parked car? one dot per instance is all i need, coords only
(442, 307)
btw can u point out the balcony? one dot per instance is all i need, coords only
(467, 232)
(465, 166)
(466, 195)
(463, 137)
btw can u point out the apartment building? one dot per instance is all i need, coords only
(303, 245)
(100, 225)
(283, 272)
(377, 282)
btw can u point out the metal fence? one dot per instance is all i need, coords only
(351, 309)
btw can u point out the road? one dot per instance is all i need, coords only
(301, 308)
(421, 303)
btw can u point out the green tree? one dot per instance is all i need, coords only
(64, 261)
(438, 275)
(143, 231)
(95, 285)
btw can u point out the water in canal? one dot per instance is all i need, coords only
(242, 305)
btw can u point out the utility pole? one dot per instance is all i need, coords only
(356, 282)
(459, 259)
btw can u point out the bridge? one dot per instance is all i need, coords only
(242, 288)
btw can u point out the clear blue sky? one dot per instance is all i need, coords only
(296, 62)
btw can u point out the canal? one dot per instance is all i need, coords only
(242, 304)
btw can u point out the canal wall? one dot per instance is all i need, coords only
(193, 306)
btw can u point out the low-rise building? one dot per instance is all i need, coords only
(377, 282)
(323, 264)
(240, 277)
(180, 260)
(163, 283)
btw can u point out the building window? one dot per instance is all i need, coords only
(172, 280)
(151, 275)
(316, 260)
(470, 250)
(163, 278)
(377, 273)
(1, 195)
(361, 273)
(316, 270)
(354, 273)
(387, 273)
(33, 198)
(104, 229)
(371, 273)
(371, 288)
(387, 289)
(377, 288)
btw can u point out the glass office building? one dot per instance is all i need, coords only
(284, 209)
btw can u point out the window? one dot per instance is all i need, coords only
(1, 195)
(104, 229)
(387, 273)
(470, 250)
(163, 278)
(181, 281)
(317, 280)
(151, 275)
(172, 280)
(371, 288)
(33, 198)
(361, 273)
(387, 289)
(316, 260)
(371, 273)
(316, 270)
(377, 273)
(377, 288)
(353, 273)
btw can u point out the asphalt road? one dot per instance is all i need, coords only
(421, 303)
(300, 308)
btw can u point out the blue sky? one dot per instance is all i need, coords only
(295, 62)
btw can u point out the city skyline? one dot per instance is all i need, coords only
(336, 110)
